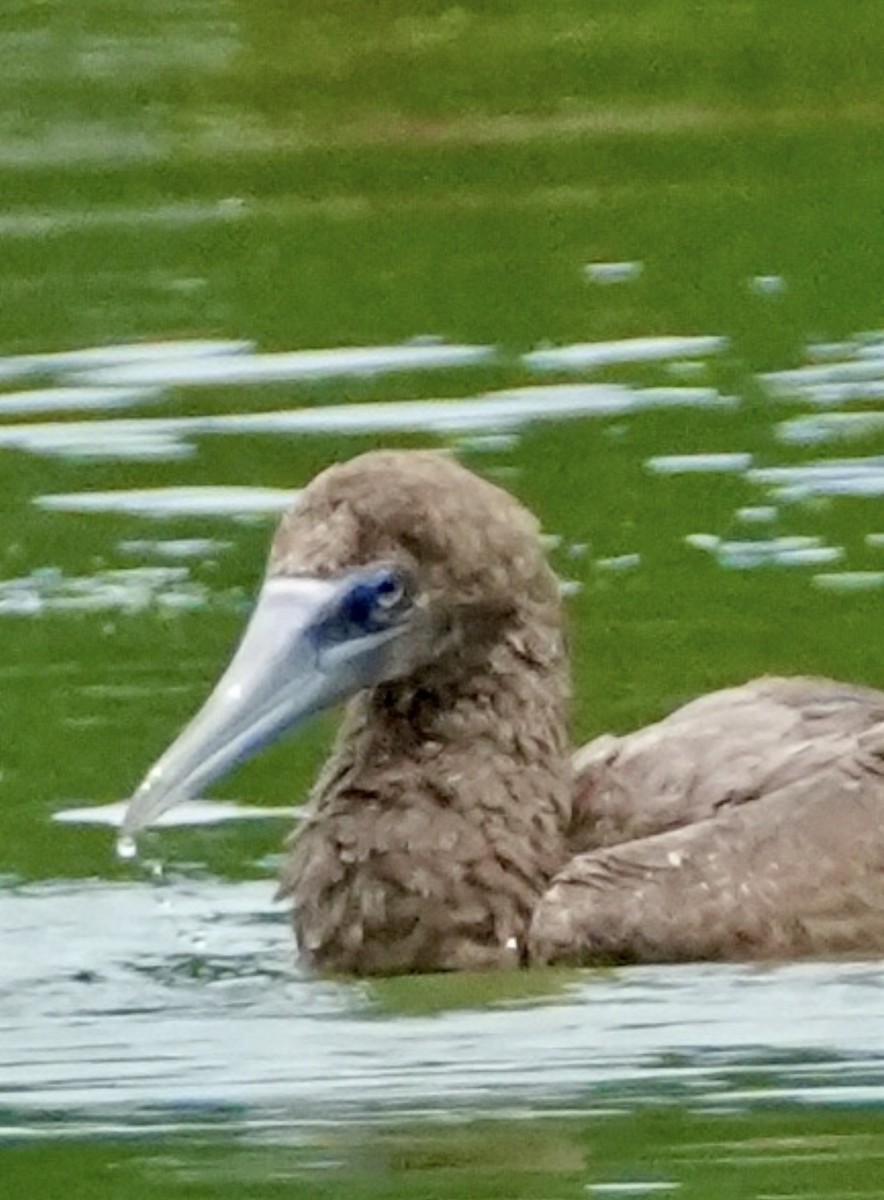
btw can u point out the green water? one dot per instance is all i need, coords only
(355, 174)
(649, 1153)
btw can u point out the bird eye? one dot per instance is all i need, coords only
(390, 589)
(371, 604)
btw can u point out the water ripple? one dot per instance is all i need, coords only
(187, 995)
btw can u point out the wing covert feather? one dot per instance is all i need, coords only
(796, 873)
(724, 749)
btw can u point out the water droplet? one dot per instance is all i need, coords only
(127, 848)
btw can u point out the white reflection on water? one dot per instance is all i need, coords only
(851, 371)
(683, 464)
(487, 421)
(494, 411)
(174, 501)
(115, 440)
(172, 215)
(175, 548)
(131, 589)
(767, 285)
(60, 399)
(136, 1003)
(613, 272)
(786, 551)
(587, 355)
(824, 428)
(291, 365)
(62, 362)
(827, 477)
(824, 394)
(850, 581)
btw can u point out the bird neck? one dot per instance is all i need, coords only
(439, 818)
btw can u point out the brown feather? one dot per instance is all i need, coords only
(452, 830)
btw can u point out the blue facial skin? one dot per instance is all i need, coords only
(369, 606)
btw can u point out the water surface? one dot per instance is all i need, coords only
(642, 290)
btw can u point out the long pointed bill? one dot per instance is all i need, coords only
(292, 661)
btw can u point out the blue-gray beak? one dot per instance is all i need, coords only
(310, 644)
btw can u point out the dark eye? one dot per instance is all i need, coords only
(390, 589)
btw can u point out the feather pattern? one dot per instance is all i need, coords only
(453, 829)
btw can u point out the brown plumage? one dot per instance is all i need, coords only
(441, 815)
(452, 829)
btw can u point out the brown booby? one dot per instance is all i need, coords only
(452, 826)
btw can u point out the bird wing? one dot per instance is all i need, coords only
(725, 749)
(797, 872)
